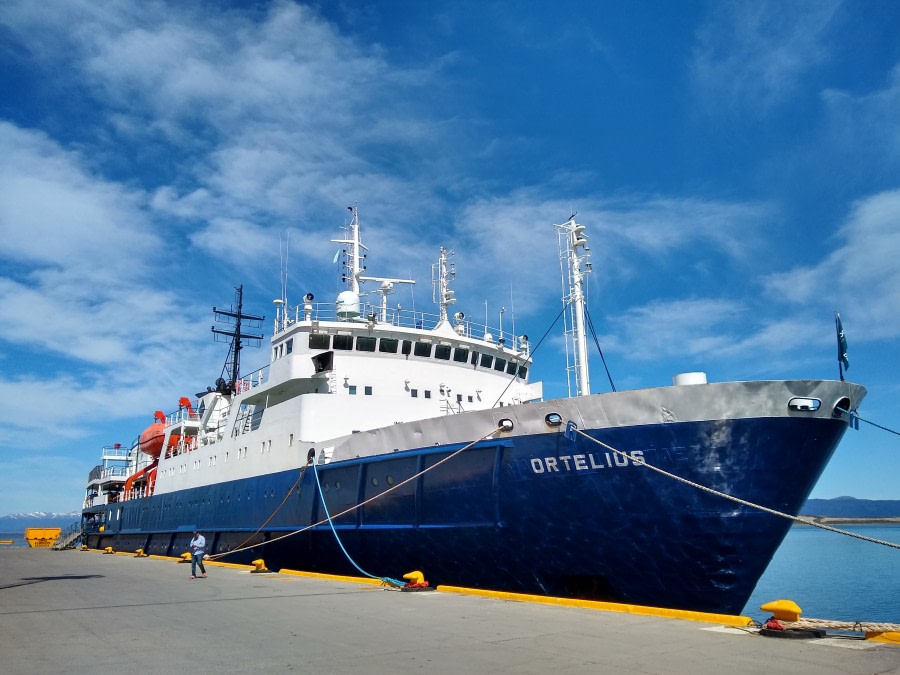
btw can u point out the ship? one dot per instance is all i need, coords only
(380, 440)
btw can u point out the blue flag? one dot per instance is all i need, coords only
(842, 342)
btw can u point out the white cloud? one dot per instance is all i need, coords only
(862, 276)
(757, 53)
(865, 122)
(680, 328)
(510, 240)
(55, 213)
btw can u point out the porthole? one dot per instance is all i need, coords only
(375, 482)
(553, 419)
(337, 485)
(389, 480)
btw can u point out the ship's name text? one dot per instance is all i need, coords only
(586, 462)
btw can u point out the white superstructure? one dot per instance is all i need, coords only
(339, 369)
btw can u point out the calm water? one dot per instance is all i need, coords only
(831, 576)
(17, 537)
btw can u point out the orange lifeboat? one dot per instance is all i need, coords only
(151, 442)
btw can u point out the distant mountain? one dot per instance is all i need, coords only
(850, 507)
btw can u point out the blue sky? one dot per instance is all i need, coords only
(735, 163)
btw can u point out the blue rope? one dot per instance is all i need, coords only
(394, 582)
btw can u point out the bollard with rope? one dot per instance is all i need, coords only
(786, 622)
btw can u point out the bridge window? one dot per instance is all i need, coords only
(461, 355)
(407, 347)
(422, 349)
(290, 345)
(486, 360)
(511, 368)
(343, 342)
(475, 358)
(442, 352)
(319, 341)
(523, 372)
(388, 345)
(500, 364)
(364, 343)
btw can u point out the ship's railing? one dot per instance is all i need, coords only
(114, 452)
(136, 493)
(182, 415)
(100, 472)
(101, 499)
(252, 379)
(396, 316)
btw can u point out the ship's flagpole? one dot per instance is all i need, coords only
(843, 360)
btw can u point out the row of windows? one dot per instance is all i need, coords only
(414, 393)
(284, 349)
(385, 345)
(265, 446)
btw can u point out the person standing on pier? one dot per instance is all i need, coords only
(198, 550)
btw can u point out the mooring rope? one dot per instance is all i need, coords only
(384, 580)
(856, 626)
(798, 519)
(367, 501)
(297, 482)
(863, 419)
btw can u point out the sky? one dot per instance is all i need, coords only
(735, 165)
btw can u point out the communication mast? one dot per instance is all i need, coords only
(236, 317)
(574, 256)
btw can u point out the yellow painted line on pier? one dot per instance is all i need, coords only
(890, 637)
(705, 617)
(331, 577)
(237, 566)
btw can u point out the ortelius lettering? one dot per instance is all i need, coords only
(587, 462)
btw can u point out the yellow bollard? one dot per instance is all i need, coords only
(415, 581)
(260, 566)
(783, 610)
(140, 553)
(185, 558)
(108, 550)
(414, 577)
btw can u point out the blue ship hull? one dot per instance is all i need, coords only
(536, 513)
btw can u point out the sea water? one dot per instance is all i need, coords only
(18, 538)
(834, 576)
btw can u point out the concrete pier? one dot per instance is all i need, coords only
(83, 611)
